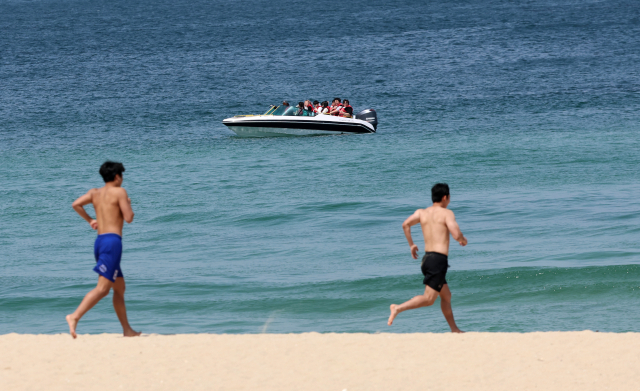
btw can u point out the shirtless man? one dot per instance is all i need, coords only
(437, 222)
(112, 206)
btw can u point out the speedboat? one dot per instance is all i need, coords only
(293, 121)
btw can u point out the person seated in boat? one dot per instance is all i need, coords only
(308, 106)
(332, 106)
(345, 104)
(316, 106)
(324, 108)
(299, 108)
(336, 106)
(347, 112)
(308, 111)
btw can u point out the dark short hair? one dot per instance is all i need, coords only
(346, 101)
(336, 99)
(109, 170)
(315, 102)
(438, 191)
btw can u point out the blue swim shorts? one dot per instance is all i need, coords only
(108, 251)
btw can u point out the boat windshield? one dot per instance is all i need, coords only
(271, 110)
(279, 110)
(290, 111)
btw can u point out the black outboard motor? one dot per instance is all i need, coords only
(370, 116)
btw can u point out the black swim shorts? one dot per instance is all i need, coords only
(434, 268)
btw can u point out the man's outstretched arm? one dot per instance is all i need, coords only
(406, 227)
(454, 229)
(78, 206)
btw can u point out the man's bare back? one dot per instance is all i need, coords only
(437, 223)
(112, 206)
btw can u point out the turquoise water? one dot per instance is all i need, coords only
(529, 111)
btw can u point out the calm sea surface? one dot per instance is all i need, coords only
(530, 110)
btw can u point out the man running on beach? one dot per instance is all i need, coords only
(112, 206)
(437, 222)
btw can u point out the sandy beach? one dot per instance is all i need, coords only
(473, 361)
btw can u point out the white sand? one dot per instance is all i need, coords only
(474, 361)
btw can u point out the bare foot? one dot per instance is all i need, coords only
(394, 313)
(73, 322)
(457, 331)
(132, 333)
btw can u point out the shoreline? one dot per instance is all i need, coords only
(573, 360)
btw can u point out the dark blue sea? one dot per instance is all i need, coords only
(529, 110)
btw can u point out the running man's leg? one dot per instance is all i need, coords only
(92, 298)
(429, 297)
(118, 304)
(445, 305)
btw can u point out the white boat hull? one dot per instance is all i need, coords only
(270, 126)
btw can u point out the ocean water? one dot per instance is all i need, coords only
(529, 109)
